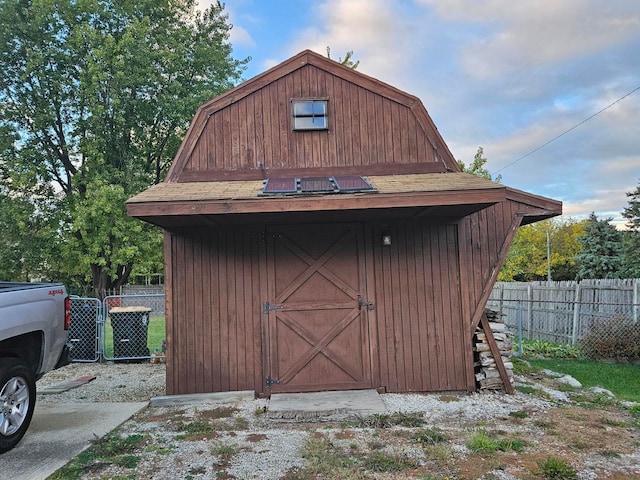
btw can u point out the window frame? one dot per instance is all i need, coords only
(294, 116)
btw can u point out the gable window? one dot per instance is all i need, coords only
(310, 114)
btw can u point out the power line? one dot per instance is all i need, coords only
(570, 129)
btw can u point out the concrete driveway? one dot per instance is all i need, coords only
(60, 431)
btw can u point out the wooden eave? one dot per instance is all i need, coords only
(535, 207)
(306, 57)
(419, 195)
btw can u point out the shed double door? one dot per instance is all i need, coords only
(317, 313)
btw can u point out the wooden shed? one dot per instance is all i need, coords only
(319, 235)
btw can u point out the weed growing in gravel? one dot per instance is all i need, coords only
(610, 454)
(217, 413)
(555, 469)
(545, 425)
(376, 445)
(384, 462)
(522, 367)
(448, 398)
(225, 450)
(593, 400)
(528, 390)
(111, 450)
(482, 442)
(197, 427)
(612, 422)
(429, 436)
(385, 420)
(327, 460)
(579, 443)
(519, 414)
(440, 454)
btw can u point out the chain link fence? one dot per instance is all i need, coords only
(119, 328)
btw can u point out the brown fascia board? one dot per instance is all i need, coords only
(306, 57)
(542, 206)
(315, 203)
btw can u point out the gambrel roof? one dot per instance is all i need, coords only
(241, 138)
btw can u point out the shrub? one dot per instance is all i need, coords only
(616, 337)
(541, 348)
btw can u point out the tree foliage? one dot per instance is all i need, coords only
(477, 167)
(95, 98)
(601, 250)
(527, 257)
(631, 238)
(347, 62)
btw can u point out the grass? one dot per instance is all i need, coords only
(555, 469)
(155, 335)
(484, 443)
(111, 450)
(384, 420)
(621, 379)
(326, 460)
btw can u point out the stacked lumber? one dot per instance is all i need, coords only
(486, 371)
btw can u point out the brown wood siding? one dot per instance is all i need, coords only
(364, 129)
(482, 253)
(421, 333)
(213, 322)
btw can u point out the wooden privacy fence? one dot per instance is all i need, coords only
(563, 312)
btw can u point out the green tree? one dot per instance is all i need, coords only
(347, 62)
(527, 257)
(95, 98)
(477, 167)
(631, 238)
(601, 250)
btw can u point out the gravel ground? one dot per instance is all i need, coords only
(237, 441)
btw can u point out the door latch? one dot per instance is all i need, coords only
(364, 303)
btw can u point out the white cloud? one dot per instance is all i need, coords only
(240, 36)
(373, 29)
(526, 33)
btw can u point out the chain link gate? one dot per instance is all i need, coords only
(120, 328)
(86, 314)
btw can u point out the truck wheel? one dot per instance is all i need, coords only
(17, 401)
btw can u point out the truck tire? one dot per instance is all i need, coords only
(17, 401)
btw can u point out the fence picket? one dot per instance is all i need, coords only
(563, 312)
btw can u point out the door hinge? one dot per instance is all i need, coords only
(270, 381)
(266, 308)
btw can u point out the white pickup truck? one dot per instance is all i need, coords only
(34, 322)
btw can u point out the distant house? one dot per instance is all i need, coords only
(320, 235)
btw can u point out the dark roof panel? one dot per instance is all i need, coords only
(346, 183)
(316, 184)
(280, 185)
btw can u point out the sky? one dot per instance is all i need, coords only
(506, 75)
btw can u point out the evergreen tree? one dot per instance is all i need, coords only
(631, 238)
(601, 250)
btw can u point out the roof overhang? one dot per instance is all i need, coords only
(435, 195)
